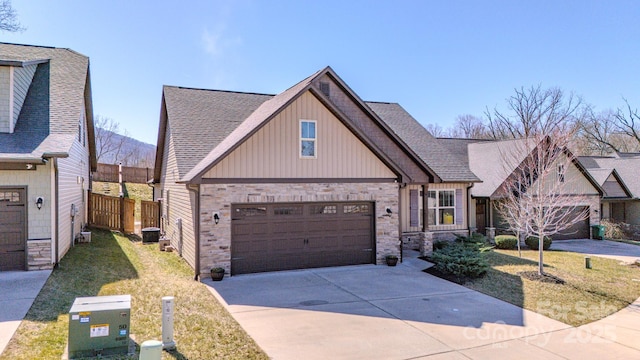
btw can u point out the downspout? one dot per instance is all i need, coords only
(56, 211)
(196, 229)
(468, 211)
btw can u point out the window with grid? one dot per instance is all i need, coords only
(441, 207)
(308, 139)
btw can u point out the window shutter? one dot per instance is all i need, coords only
(459, 212)
(414, 216)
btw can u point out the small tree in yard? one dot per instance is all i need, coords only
(538, 198)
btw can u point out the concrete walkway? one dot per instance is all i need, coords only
(380, 312)
(603, 248)
(18, 290)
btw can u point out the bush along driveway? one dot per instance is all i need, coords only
(112, 265)
(380, 312)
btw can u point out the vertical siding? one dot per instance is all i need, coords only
(180, 204)
(405, 213)
(612, 188)
(5, 95)
(22, 77)
(465, 206)
(575, 182)
(273, 151)
(73, 178)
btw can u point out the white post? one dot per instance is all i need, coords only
(167, 323)
(120, 179)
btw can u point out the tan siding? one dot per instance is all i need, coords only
(178, 204)
(273, 152)
(21, 81)
(575, 182)
(5, 95)
(405, 214)
(612, 188)
(72, 190)
(453, 186)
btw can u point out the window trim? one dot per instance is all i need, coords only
(437, 207)
(301, 139)
(562, 171)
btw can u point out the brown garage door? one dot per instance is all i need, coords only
(285, 236)
(579, 230)
(12, 229)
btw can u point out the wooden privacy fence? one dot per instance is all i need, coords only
(111, 212)
(149, 214)
(109, 173)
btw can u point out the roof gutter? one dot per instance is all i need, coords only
(195, 189)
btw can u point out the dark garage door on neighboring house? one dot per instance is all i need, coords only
(13, 229)
(285, 236)
(580, 230)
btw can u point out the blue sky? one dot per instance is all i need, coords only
(437, 59)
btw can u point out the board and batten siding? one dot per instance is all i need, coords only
(178, 203)
(405, 214)
(461, 209)
(274, 150)
(575, 182)
(73, 183)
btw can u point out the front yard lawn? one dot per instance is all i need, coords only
(585, 296)
(113, 265)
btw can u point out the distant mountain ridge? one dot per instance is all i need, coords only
(114, 148)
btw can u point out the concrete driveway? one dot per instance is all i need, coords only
(602, 248)
(380, 312)
(18, 290)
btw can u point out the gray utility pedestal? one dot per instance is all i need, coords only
(99, 326)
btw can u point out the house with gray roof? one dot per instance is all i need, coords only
(495, 162)
(619, 177)
(47, 152)
(311, 177)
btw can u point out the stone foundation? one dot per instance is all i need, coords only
(39, 255)
(491, 234)
(448, 235)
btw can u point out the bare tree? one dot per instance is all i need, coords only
(435, 130)
(535, 111)
(9, 18)
(628, 122)
(469, 127)
(109, 144)
(538, 198)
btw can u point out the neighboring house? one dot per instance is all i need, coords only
(494, 162)
(46, 153)
(619, 177)
(311, 177)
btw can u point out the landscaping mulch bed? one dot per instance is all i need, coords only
(545, 278)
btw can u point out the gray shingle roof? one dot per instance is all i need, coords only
(493, 162)
(447, 166)
(627, 167)
(207, 124)
(199, 120)
(54, 103)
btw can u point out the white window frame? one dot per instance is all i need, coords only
(314, 139)
(437, 206)
(562, 172)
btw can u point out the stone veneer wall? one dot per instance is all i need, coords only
(215, 240)
(39, 255)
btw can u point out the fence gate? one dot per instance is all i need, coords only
(112, 212)
(149, 214)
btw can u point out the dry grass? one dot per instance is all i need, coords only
(113, 264)
(133, 191)
(586, 295)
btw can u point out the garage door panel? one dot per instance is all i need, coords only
(301, 235)
(580, 230)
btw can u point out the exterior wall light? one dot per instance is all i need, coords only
(216, 218)
(39, 202)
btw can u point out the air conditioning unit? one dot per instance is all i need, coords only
(99, 326)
